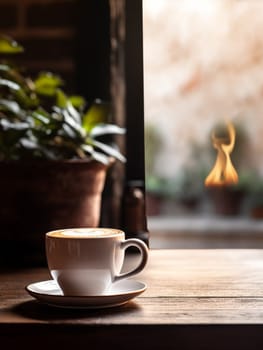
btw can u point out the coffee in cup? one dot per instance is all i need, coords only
(87, 261)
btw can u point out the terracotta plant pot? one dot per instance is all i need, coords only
(40, 196)
(226, 201)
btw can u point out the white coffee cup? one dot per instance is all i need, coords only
(87, 261)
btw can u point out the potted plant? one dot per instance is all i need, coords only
(54, 155)
(228, 199)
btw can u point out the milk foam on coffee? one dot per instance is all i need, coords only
(84, 233)
(78, 233)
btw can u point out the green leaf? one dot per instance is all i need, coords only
(70, 121)
(61, 98)
(108, 150)
(87, 148)
(30, 144)
(9, 46)
(41, 116)
(98, 113)
(47, 84)
(10, 73)
(77, 101)
(27, 101)
(10, 134)
(100, 157)
(6, 125)
(74, 113)
(20, 94)
(10, 84)
(10, 106)
(68, 131)
(106, 129)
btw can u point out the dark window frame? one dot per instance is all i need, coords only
(93, 60)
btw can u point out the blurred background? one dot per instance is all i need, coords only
(203, 66)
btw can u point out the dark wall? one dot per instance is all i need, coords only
(67, 37)
(93, 49)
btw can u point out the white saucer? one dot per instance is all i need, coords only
(120, 293)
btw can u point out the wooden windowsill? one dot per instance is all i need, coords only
(205, 232)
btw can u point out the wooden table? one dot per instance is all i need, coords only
(196, 299)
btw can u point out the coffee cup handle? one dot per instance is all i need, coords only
(134, 242)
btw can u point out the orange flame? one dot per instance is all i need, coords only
(223, 172)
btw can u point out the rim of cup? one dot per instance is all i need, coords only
(82, 233)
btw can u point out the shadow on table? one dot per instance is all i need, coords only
(35, 310)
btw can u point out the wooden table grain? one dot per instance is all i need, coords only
(195, 299)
